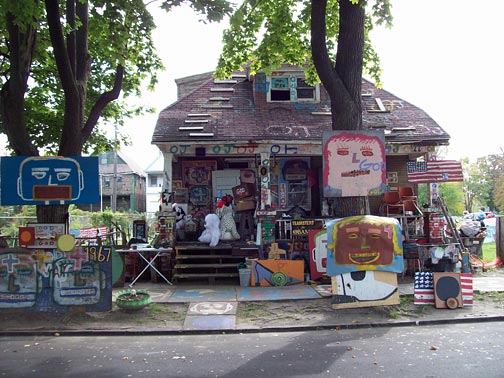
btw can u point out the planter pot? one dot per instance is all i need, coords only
(133, 299)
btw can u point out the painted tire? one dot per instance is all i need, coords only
(125, 300)
(279, 279)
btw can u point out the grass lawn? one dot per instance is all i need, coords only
(489, 251)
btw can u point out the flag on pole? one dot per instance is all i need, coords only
(434, 171)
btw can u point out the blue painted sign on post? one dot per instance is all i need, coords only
(49, 180)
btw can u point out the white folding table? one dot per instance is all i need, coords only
(150, 262)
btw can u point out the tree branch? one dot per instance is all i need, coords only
(12, 103)
(103, 100)
(60, 51)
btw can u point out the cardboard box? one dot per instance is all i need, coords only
(240, 192)
(244, 205)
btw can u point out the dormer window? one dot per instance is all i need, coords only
(290, 87)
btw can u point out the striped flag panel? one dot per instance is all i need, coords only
(434, 171)
(424, 288)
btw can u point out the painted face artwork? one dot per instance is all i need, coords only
(364, 243)
(46, 179)
(354, 165)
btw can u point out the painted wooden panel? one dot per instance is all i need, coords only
(353, 163)
(364, 289)
(277, 272)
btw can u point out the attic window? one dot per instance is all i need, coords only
(377, 107)
(285, 87)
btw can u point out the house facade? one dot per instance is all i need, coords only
(272, 127)
(154, 186)
(122, 180)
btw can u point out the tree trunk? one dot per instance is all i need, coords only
(343, 81)
(12, 103)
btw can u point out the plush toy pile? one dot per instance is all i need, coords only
(211, 233)
(180, 221)
(226, 215)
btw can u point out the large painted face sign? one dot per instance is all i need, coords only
(364, 243)
(49, 180)
(46, 179)
(354, 163)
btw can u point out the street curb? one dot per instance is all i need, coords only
(306, 328)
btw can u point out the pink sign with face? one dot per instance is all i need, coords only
(354, 164)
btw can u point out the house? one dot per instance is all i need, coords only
(129, 179)
(154, 173)
(275, 124)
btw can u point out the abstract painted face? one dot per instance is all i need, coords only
(364, 244)
(354, 165)
(50, 179)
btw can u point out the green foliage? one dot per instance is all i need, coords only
(266, 34)
(483, 183)
(119, 34)
(66, 72)
(212, 10)
(488, 251)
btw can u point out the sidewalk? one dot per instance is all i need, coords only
(188, 309)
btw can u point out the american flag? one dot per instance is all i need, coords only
(92, 232)
(424, 288)
(434, 171)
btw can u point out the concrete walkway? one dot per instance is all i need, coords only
(204, 309)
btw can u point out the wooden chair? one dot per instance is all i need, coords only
(411, 207)
(406, 193)
(391, 204)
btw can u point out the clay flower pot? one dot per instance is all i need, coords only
(133, 299)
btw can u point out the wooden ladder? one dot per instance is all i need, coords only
(464, 252)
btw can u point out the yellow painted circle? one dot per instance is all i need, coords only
(66, 243)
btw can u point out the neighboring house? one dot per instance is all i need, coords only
(129, 179)
(273, 126)
(154, 172)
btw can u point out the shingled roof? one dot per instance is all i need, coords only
(212, 111)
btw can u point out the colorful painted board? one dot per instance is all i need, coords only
(277, 272)
(198, 172)
(353, 163)
(48, 280)
(49, 180)
(46, 234)
(364, 242)
(317, 246)
(364, 289)
(424, 288)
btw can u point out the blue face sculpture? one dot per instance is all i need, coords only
(50, 179)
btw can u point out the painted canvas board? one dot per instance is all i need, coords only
(364, 289)
(277, 272)
(49, 180)
(364, 242)
(353, 163)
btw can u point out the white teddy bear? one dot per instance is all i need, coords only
(211, 233)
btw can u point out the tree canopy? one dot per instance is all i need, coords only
(330, 36)
(66, 64)
(266, 34)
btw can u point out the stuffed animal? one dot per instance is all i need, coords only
(227, 222)
(211, 233)
(180, 221)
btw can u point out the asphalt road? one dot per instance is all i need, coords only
(458, 350)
